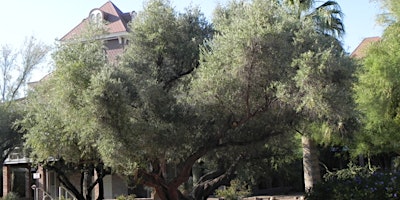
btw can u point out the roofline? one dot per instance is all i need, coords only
(362, 42)
(65, 35)
(115, 35)
(105, 36)
(23, 160)
(120, 14)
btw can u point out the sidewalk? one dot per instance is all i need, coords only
(275, 197)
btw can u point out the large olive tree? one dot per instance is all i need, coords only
(264, 74)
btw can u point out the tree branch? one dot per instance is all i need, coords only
(211, 181)
(185, 169)
(63, 178)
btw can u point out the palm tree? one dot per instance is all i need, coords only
(327, 18)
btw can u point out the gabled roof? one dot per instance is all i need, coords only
(116, 21)
(32, 85)
(361, 49)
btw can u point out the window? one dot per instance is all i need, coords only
(96, 16)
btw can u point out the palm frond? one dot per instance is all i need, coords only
(328, 18)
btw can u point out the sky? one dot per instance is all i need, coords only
(48, 20)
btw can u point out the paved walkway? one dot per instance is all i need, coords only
(275, 197)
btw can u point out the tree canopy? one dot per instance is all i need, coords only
(16, 68)
(59, 134)
(377, 92)
(260, 74)
(282, 61)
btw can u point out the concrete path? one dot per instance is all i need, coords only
(276, 197)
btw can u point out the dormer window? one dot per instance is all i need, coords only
(96, 16)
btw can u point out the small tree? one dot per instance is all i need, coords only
(15, 74)
(377, 92)
(326, 18)
(16, 67)
(58, 133)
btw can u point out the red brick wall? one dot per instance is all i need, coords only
(6, 180)
(41, 183)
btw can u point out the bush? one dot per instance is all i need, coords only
(11, 196)
(357, 183)
(235, 191)
(128, 197)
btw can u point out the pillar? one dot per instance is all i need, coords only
(6, 180)
(28, 181)
(41, 182)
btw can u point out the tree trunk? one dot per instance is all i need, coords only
(101, 190)
(207, 187)
(209, 182)
(310, 163)
(168, 193)
(87, 180)
(86, 183)
(100, 175)
(57, 166)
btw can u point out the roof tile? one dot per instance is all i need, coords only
(116, 21)
(360, 51)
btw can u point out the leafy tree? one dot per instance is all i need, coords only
(14, 76)
(327, 16)
(10, 138)
(58, 134)
(314, 85)
(327, 19)
(261, 76)
(155, 116)
(141, 121)
(377, 92)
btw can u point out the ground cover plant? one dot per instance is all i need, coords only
(358, 183)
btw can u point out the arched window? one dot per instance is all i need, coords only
(96, 16)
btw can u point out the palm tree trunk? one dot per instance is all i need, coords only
(310, 163)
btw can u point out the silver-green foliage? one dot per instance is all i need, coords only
(136, 105)
(57, 121)
(235, 191)
(273, 61)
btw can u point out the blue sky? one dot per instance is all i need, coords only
(51, 19)
(48, 20)
(360, 21)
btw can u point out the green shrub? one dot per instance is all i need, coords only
(357, 183)
(11, 196)
(235, 191)
(126, 197)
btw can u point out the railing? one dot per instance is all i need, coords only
(45, 194)
(63, 192)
